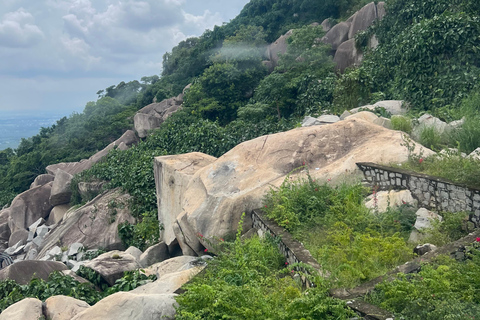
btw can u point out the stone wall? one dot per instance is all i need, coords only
(431, 192)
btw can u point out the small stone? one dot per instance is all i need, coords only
(74, 248)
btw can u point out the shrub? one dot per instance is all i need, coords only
(402, 123)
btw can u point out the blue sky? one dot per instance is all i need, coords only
(56, 54)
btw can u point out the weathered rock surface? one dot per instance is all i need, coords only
(135, 252)
(57, 213)
(26, 309)
(18, 236)
(111, 265)
(154, 254)
(169, 283)
(94, 224)
(153, 115)
(384, 199)
(347, 55)
(61, 192)
(171, 265)
(429, 121)
(63, 307)
(41, 180)
(278, 47)
(4, 228)
(128, 138)
(29, 206)
(326, 25)
(424, 222)
(236, 182)
(23, 271)
(363, 19)
(363, 115)
(129, 306)
(172, 175)
(384, 122)
(337, 35)
(86, 189)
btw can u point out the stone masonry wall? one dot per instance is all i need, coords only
(431, 192)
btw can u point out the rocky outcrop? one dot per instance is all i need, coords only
(171, 265)
(236, 182)
(347, 55)
(129, 306)
(63, 307)
(23, 271)
(154, 254)
(29, 206)
(126, 140)
(362, 19)
(41, 180)
(111, 265)
(95, 224)
(153, 115)
(26, 309)
(278, 47)
(57, 213)
(337, 35)
(61, 192)
(169, 283)
(172, 176)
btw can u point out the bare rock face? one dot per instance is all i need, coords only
(4, 228)
(61, 192)
(170, 266)
(347, 55)
(111, 265)
(153, 115)
(154, 254)
(23, 271)
(169, 283)
(20, 235)
(172, 175)
(57, 213)
(129, 306)
(30, 206)
(219, 193)
(337, 35)
(363, 19)
(128, 139)
(94, 225)
(41, 180)
(63, 307)
(278, 47)
(326, 25)
(26, 309)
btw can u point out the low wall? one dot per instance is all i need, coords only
(431, 192)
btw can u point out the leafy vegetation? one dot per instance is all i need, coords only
(248, 280)
(444, 289)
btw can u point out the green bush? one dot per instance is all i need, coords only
(445, 289)
(468, 136)
(402, 124)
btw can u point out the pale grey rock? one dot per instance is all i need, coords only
(337, 35)
(61, 191)
(92, 224)
(424, 248)
(328, 118)
(170, 282)
(57, 213)
(363, 19)
(134, 251)
(154, 254)
(278, 47)
(23, 271)
(129, 306)
(310, 121)
(29, 206)
(347, 55)
(31, 254)
(42, 231)
(33, 227)
(18, 236)
(75, 248)
(4, 228)
(475, 154)
(326, 25)
(429, 121)
(345, 114)
(394, 107)
(41, 180)
(170, 266)
(63, 307)
(26, 309)
(457, 123)
(384, 122)
(425, 218)
(111, 265)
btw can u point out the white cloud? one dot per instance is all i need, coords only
(17, 29)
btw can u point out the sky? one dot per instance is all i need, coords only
(56, 54)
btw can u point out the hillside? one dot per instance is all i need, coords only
(249, 80)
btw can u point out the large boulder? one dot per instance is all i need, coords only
(23, 271)
(383, 200)
(154, 254)
(337, 35)
(29, 206)
(171, 265)
(429, 121)
(41, 180)
(20, 235)
(129, 306)
(169, 283)
(61, 192)
(126, 140)
(4, 228)
(57, 213)
(347, 55)
(278, 47)
(153, 115)
(111, 265)
(363, 19)
(172, 175)
(63, 307)
(95, 224)
(26, 309)
(219, 193)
